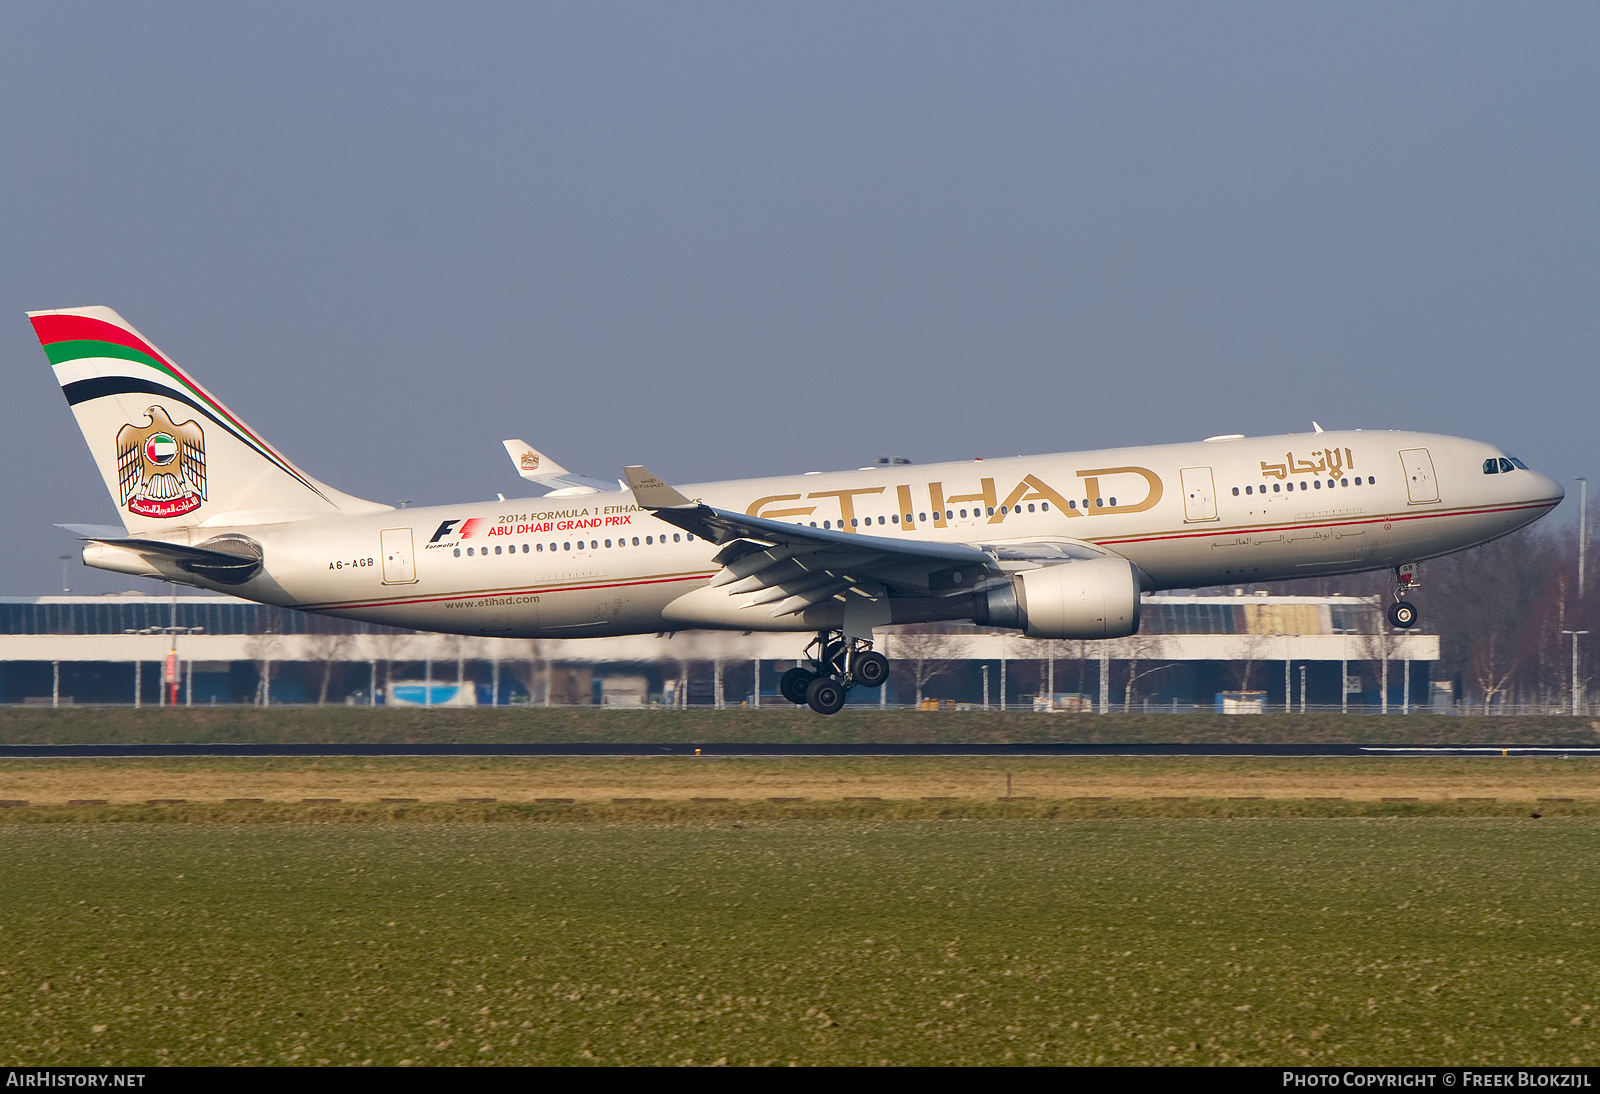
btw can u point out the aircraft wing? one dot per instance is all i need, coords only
(793, 567)
(535, 466)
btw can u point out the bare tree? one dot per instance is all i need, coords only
(388, 644)
(264, 649)
(925, 653)
(1142, 647)
(326, 648)
(528, 668)
(1492, 668)
(1252, 648)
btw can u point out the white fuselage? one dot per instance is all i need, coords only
(1188, 515)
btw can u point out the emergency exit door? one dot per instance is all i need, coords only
(1199, 494)
(399, 567)
(1421, 486)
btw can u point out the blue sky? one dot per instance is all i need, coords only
(739, 239)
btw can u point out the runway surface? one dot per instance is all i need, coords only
(18, 752)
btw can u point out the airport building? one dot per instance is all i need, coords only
(1236, 653)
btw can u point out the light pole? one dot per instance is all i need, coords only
(1574, 668)
(1288, 662)
(1583, 529)
(68, 558)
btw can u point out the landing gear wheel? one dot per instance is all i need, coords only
(825, 695)
(870, 669)
(792, 685)
(1403, 614)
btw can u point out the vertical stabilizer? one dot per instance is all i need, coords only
(171, 454)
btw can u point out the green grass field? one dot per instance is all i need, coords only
(353, 725)
(1175, 940)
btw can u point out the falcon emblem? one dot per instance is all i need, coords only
(161, 466)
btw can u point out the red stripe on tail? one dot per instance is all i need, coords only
(69, 328)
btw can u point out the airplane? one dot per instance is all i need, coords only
(1051, 546)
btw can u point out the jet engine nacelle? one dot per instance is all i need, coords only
(1094, 598)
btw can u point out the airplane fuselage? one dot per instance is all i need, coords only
(1188, 515)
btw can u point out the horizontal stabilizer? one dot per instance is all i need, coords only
(230, 567)
(103, 532)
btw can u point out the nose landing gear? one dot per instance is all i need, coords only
(834, 664)
(1403, 614)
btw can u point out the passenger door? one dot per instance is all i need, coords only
(1199, 494)
(1421, 487)
(399, 565)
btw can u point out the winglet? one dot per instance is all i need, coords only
(650, 492)
(532, 464)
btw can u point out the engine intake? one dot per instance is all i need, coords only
(1094, 598)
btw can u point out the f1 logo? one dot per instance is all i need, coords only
(444, 530)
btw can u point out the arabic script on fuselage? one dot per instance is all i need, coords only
(1330, 462)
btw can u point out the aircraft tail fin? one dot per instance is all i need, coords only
(172, 455)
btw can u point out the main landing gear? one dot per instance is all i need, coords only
(1403, 614)
(834, 665)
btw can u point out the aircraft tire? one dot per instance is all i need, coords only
(871, 669)
(1403, 614)
(825, 695)
(792, 685)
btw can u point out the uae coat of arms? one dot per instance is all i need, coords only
(161, 466)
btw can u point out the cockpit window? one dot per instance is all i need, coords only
(1506, 465)
(1517, 463)
(1491, 466)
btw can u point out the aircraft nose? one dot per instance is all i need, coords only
(1546, 487)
